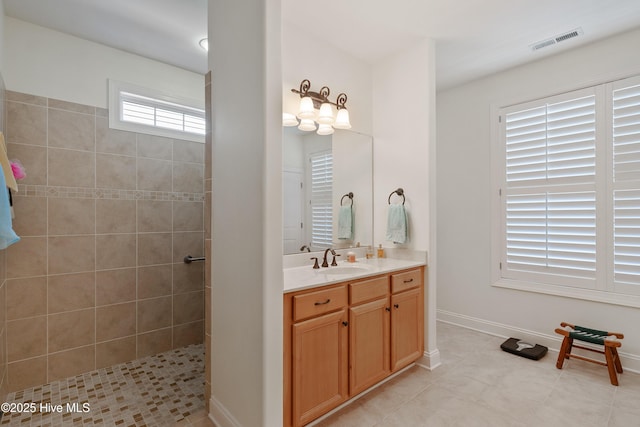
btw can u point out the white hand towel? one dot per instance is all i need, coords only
(397, 224)
(345, 222)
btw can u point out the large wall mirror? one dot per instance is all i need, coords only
(320, 172)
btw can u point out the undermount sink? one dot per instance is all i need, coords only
(355, 269)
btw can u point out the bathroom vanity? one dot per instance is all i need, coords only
(346, 329)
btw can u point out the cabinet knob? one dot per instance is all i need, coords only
(396, 305)
(345, 323)
(388, 308)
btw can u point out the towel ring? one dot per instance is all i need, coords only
(399, 192)
(349, 195)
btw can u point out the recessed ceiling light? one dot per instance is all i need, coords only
(204, 43)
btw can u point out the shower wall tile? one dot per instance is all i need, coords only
(187, 243)
(188, 151)
(71, 216)
(115, 321)
(154, 281)
(26, 98)
(71, 130)
(31, 216)
(187, 334)
(154, 175)
(26, 297)
(154, 216)
(26, 123)
(154, 248)
(27, 373)
(34, 160)
(71, 362)
(154, 313)
(71, 292)
(188, 177)
(115, 251)
(154, 342)
(71, 106)
(188, 216)
(115, 286)
(188, 277)
(115, 171)
(155, 147)
(27, 258)
(114, 141)
(71, 329)
(115, 216)
(110, 353)
(70, 168)
(26, 338)
(105, 218)
(71, 254)
(188, 307)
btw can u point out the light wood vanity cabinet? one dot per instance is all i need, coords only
(340, 340)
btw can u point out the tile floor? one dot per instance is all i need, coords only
(477, 385)
(480, 385)
(162, 390)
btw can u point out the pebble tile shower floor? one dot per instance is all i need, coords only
(162, 390)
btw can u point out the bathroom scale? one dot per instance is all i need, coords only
(524, 349)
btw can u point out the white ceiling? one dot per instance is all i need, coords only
(474, 38)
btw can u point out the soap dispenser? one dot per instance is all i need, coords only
(380, 251)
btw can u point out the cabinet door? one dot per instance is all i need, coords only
(320, 363)
(368, 344)
(406, 328)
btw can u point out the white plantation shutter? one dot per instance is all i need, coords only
(626, 181)
(549, 193)
(321, 199)
(157, 113)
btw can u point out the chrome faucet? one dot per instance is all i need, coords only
(324, 260)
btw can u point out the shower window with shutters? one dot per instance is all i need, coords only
(321, 208)
(570, 190)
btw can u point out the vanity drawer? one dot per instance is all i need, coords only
(312, 304)
(368, 290)
(407, 280)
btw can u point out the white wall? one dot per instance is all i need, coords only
(246, 226)
(404, 156)
(48, 63)
(2, 25)
(464, 193)
(403, 125)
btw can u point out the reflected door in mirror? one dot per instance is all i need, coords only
(293, 211)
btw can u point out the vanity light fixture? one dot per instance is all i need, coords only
(311, 101)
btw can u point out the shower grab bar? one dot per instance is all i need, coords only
(189, 259)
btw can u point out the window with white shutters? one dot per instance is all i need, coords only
(570, 194)
(549, 189)
(321, 164)
(626, 184)
(143, 110)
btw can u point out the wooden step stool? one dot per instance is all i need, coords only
(609, 341)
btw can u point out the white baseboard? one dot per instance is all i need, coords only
(430, 360)
(220, 416)
(630, 362)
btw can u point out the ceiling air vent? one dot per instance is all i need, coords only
(557, 39)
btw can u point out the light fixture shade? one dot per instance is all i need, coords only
(326, 114)
(342, 119)
(325, 129)
(289, 119)
(306, 108)
(307, 125)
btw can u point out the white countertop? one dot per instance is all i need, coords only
(299, 278)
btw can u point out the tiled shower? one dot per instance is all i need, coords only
(105, 219)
